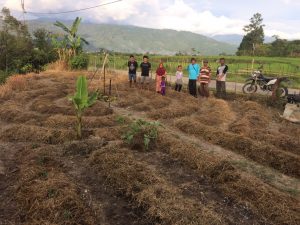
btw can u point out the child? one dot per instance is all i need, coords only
(204, 79)
(145, 67)
(221, 79)
(163, 86)
(160, 72)
(179, 75)
(132, 66)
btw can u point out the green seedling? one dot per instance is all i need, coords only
(82, 100)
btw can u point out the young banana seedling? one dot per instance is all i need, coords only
(82, 100)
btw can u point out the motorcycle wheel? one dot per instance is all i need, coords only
(249, 88)
(282, 92)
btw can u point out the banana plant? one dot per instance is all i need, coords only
(82, 100)
(75, 42)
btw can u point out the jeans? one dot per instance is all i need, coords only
(193, 87)
(132, 76)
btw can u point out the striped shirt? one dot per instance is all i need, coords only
(205, 74)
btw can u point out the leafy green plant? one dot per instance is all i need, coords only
(141, 133)
(121, 120)
(82, 100)
(79, 62)
(73, 40)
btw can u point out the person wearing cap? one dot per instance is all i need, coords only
(204, 79)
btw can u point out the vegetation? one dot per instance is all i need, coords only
(82, 100)
(141, 130)
(70, 46)
(79, 62)
(253, 42)
(254, 37)
(20, 52)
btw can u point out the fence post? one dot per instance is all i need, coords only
(109, 93)
(104, 71)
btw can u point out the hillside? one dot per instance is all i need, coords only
(236, 39)
(131, 39)
(223, 169)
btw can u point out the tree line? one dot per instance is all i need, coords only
(253, 42)
(22, 52)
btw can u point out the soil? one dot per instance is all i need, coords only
(216, 161)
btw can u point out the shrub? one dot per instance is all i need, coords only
(141, 134)
(79, 62)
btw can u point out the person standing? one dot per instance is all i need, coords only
(132, 66)
(193, 70)
(179, 77)
(145, 67)
(204, 79)
(221, 79)
(160, 73)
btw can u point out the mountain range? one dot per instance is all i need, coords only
(132, 39)
(236, 39)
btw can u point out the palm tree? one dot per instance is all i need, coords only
(74, 41)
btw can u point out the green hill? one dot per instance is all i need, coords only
(131, 39)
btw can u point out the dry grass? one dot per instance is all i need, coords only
(268, 204)
(214, 112)
(262, 153)
(46, 106)
(108, 133)
(174, 112)
(35, 134)
(83, 147)
(48, 196)
(162, 203)
(58, 66)
(99, 109)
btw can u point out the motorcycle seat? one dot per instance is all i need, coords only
(267, 79)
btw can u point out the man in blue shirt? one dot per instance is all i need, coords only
(194, 70)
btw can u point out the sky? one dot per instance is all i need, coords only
(207, 17)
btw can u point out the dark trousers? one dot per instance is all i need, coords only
(203, 90)
(221, 89)
(193, 87)
(178, 87)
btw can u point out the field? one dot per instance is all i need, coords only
(214, 161)
(240, 66)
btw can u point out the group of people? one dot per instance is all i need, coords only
(202, 74)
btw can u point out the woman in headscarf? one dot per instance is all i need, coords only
(160, 72)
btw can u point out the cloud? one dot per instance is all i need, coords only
(189, 15)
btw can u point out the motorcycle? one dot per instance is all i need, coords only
(257, 79)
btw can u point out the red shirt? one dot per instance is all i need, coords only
(161, 71)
